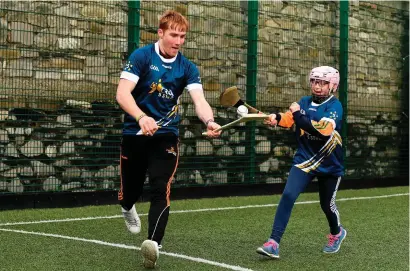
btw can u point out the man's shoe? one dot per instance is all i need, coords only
(270, 249)
(334, 241)
(150, 253)
(132, 221)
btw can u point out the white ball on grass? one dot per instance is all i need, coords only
(242, 110)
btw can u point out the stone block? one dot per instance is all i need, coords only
(263, 147)
(77, 33)
(19, 68)
(45, 39)
(29, 53)
(37, 20)
(204, 147)
(119, 17)
(95, 28)
(94, 42)
(51, 184)
(67, 11)
(117, 45)
(68, 43)
(44, 74)
(32, 148)
(148, 36)
(21, 33)
(9, 53)
(93, 11)
(96, 74)
(68, 74)
(224, 151)
(15, 186)
(61, 63)
(212, 86)
(95, 61)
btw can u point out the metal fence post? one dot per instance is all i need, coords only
(133, 25)
(251, 72)
(343, 67)
(404, 127)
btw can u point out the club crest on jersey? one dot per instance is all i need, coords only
(172, 151)
(162, 92)
(128, 66)
(333, 115)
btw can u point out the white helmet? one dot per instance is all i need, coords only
(326, 73)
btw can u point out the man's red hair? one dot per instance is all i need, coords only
(173, 20)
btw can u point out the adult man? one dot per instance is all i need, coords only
(318, 120)
(151, 83)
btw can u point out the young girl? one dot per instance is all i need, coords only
(318, 120)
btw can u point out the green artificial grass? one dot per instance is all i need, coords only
(377, 236)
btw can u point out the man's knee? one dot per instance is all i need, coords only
(158, 189)
(289, 196)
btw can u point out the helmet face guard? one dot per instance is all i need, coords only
(327, 74)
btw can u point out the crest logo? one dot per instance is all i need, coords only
(172, 151)
(333, 115)
(128, 66)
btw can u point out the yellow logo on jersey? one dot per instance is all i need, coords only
(162, 92)
(156, 87)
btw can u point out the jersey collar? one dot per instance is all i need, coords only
(328, 99)
(166, 60)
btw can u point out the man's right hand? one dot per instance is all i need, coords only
(148, 126)
(271, 120)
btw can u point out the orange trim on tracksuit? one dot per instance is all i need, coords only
(286, 120)
(120, 193)
(170, 179)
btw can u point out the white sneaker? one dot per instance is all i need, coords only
(150, 252)
(132, 220)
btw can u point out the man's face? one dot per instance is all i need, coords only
(319, 87)
(171, 41)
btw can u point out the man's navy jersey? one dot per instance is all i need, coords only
(317, 155)
(160, 82)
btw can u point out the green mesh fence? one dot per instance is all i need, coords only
(377, 143)
(293, 38)
(60, 126)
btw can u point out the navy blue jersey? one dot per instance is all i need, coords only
(319, 141)
(160, 83)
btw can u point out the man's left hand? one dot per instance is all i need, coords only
(210, 129)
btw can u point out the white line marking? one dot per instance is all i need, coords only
(98, 242)
(194, 210)
(63, 220)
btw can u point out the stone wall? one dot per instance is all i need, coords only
(60, 62)
(63, 50)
